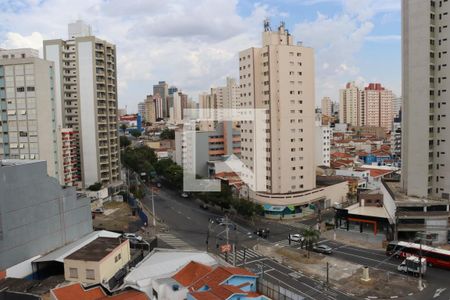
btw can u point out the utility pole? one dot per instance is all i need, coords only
(328, 273)
(153, 208)
(420, 266)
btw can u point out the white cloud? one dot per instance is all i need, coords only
(337, 40)
(16, 40)
(192, 45)
(382, 38)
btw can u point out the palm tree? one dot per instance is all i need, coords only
(311, 236)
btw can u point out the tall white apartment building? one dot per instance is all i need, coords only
(177, 105)
(352, 105)
(86, 100)
(378, 106)
(323, 142)
(28, 124)
(327, 106)
(426, 91)
(279, 78)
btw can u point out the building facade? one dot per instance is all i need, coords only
(162, 89)
(43, 216)
(30, 129)
(323, 143)
(327, 106)
(86, 100)
(279, 78)
(141, 110)
(352, 105)
(212, 145)
(378, 106)
(98, 261)
(371, 106)
(426, 109)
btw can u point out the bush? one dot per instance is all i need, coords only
(95, 187)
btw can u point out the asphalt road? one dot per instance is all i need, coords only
(189, 223)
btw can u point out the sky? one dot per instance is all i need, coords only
(194, 44)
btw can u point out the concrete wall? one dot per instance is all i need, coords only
(37, 215)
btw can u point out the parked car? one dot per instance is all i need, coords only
(322, 249)
(204, 206)
(99, 210)
(218, 220)
(297, 237)
(132, 236)
(262, 232)
(184, 195)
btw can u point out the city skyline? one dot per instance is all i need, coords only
(209, 52)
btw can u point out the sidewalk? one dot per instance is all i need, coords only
(357, 239)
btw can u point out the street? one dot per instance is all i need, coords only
(188, 228)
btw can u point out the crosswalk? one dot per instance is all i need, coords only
(249, 255)
(173, 241)
(285, 243)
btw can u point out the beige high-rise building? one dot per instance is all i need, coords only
(371, 106)
(327, 106)
(153, 108)
(86, 100)
(426, 90)
(162, 90)
(29, 128)
(279, 77)
(219, 98)
(352, 105)
(378, 106)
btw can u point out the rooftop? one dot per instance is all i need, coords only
(96, 250)
(369, 211)
(63, 252)
(76, 291)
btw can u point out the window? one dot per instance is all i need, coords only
(20, 89)
(73, 272)
(90, 274)
(118, 257)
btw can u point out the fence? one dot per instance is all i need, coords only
(276, 292)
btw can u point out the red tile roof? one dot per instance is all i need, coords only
(196, 275)
(192, 272)
(76, 291)
(340, 155)
(375, 173)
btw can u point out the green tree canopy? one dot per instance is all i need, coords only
(136, 133)
(167, 134)
(124, 142)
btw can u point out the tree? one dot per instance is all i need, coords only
(140, 160)
(136, 133)
(311, 236)
(95, 187)
(124, 142)
(123, 127)
(167, 134)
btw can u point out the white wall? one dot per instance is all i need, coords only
(88, 113)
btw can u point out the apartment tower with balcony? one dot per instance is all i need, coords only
(279, 78)
(426, 105)
(86, 100)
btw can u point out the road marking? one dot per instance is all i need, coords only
(189, 218)
(439, 292)
(294, 289)
(173, 241)
(363, 257)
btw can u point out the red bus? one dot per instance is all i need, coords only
(434, 256)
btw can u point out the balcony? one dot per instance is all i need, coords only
(422, 214)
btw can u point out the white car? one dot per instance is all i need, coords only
(296, 237)
(132, 236)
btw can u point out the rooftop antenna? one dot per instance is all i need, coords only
(282, 25)
(267, 25)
